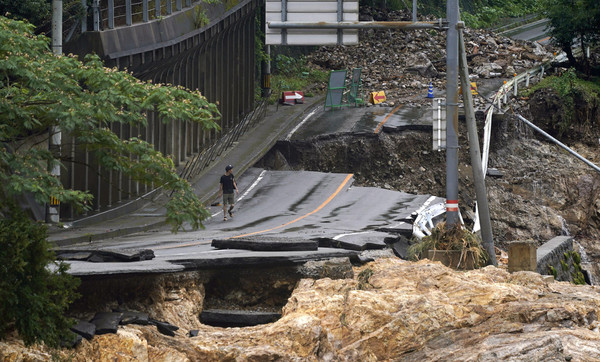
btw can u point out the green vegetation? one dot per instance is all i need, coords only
(450, 238)
(491, 13)
(570, 88)
(475, 13)
(35, 289)
(39, 91)
(200, 18)
(39, 12)
(573, 22)
(291, 74)
(553, 271)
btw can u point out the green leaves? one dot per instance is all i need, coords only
(35, 290)
(39, 90)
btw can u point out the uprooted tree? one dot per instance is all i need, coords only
(40, 91)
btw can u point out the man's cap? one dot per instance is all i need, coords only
(228, 167)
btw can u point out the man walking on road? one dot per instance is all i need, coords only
(226, 187)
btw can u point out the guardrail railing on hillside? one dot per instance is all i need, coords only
(199, 162)
(108, 14)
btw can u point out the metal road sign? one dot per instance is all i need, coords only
(377, 97)
(299, 11)
(439, 124)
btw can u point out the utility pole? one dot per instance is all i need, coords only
(480, 190)
(54, 142)
(414, 12)
(452, 113)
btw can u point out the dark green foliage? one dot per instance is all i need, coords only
(35, 11)
(573, 22)
(35, 289)
(39, 91)
(39, 12)
(572, 91)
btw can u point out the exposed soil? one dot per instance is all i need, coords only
(544, 190)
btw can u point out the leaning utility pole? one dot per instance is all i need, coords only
(478, 177)
(452, 216)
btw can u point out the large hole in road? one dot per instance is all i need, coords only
(402, 161)
(229, 297)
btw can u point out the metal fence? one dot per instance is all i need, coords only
(108, 14)
(200, 161)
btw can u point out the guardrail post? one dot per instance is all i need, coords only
(111, 14)
(169, 7)
(515, 82)
(96, 14)
(145, 11)
(157, 9)
(128, 19)
(84, 19)
(527, 80)
(188, 3)
(178, 5)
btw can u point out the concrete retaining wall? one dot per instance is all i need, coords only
(557, 257)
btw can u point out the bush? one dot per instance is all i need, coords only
(35, 289)
(450, 238)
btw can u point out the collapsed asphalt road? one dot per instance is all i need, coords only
(284, 209)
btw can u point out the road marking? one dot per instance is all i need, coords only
(204, 242)
(378, 128)
(289, 136)
(543, 40)
(337, 191)
(425, 204)
(260, 177)
(337, 237)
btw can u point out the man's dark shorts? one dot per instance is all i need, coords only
(228, 199)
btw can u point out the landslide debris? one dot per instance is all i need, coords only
(403, 63)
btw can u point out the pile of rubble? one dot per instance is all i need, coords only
(404, 63)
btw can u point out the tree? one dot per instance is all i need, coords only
(39, 91)
(573, 22)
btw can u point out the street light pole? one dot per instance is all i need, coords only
(54, 143)
(452, 113)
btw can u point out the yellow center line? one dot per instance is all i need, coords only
(542, 40)
(337, 191)
(386, 118)
(348, 177)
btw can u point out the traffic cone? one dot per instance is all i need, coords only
(430, 91)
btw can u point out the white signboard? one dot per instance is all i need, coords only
(309, 11)
(439, 124)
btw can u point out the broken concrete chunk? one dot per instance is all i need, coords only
(132, 317)
(164, 327)
(266, 243)
(107, 322)
(85, 329)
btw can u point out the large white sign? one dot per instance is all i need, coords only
(308, 11)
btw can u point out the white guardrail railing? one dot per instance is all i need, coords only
(498, 100)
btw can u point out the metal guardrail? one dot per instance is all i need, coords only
(424, 220)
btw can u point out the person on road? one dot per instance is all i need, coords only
(226, 187)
